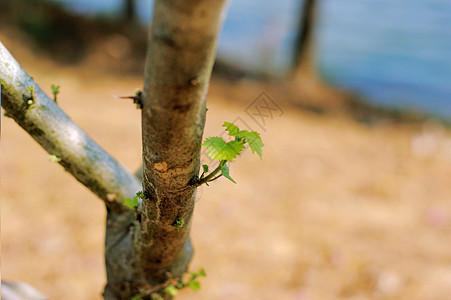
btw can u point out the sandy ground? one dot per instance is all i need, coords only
(335, 210)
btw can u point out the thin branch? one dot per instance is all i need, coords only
(19, 290)
(209, 177)
(41, 117)
(219, 176)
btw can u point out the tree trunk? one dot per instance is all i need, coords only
(304, 64)
(180, 58)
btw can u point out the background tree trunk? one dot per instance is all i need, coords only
(129, 11)
(304, 59)
(315, 93)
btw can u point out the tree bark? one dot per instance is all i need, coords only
(304, 64)
(180, 58)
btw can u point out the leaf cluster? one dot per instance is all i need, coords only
(135, 202)
(224, 152)
(179, 224)
(191, 283)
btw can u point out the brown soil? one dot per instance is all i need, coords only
(335, 210)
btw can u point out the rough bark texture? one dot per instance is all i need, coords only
(304, 65)
(41, 117)
(124, 275)
(180, 58)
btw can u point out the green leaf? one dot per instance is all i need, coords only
(225, 172)
(194, 285)
(171, 290)
(131, 203)
(218, 149)
(201, 273)
(140, 195)
(253, 139)
(55, 90)
(179, 224)
(205, 167)
(231, 128)
(30, 89)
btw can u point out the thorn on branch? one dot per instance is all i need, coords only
(137, 98)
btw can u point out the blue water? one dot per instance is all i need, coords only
(395, 53)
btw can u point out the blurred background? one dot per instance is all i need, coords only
(352, 197)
